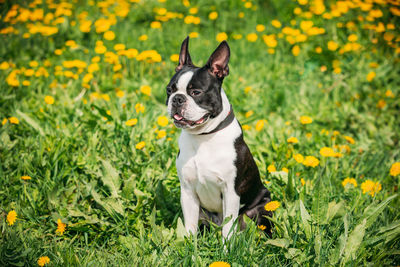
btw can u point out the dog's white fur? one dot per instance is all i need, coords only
(207, 174)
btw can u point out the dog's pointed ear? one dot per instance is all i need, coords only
(217, 64)
(184, 56)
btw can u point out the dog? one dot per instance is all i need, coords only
(219, 179)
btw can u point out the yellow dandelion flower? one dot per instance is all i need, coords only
(327, 152)
(100, 49)
(246, 127)
(349, 180)
(248, 5)
(249, 113)
(119, 47)
(272, 206)
(155, 25)
(4, 121)
(60, 227)
(120, 93)
(219, 264)
(13, 120)
(222, 36)
(352, 38)
(161, 134)
(193, 10)
(260, 28)
(298, 157)
(26, 177)
(261, 227)
(131, 122)
(305, 120)
(11, 217)
(193, 34)
(371, 187)
(109, 35)
(349, 139)
(49, 100)
(139, 107)
(302, 181)
(395, 169)
(42, 261)
(296, 50)
(285, 170)
(271, 168)
(381, 103)
(371, 76)
(260, 125)
(270, 40)
(252, 37)
(162, 121)
(145, 89)
(292, 140)
(4, 65)
(213, 15)
(276, 23)
(332, 46)
(311, 161)
(140, 145)
(143, 37)
(174, 58)
(389, 93)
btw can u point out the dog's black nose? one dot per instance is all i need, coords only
(178, 100)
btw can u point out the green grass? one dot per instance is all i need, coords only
(121, 204)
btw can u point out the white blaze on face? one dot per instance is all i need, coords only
(191, 111)
(183, 82)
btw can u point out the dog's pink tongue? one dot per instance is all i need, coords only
(178, 117)
(200, 121)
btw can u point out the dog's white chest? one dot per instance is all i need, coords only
(206, 165)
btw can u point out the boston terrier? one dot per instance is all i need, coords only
(219, 179)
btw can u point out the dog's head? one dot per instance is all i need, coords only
(194, 93)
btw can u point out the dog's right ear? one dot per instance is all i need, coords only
(184, 56)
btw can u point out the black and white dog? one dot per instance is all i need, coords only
(218, 176)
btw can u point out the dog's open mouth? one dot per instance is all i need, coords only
(181, 121)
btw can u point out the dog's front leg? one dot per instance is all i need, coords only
(190, 207)
(231, 204)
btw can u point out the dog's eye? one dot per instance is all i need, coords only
(169, 90)
(196, 92)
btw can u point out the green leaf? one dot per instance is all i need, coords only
(289, 189)
(30, 122)
(319, 202)
(354, 241)
(112, 206)
(305, 218)
(110, 178)
(317, 246)
(127, 241)
(333, 209)
(115, 205)
(180, 229)
(279, 242)
(372, 211)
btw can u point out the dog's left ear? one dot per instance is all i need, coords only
(217, 64)
(184, 56)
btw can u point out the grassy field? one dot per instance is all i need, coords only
(87, 153)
